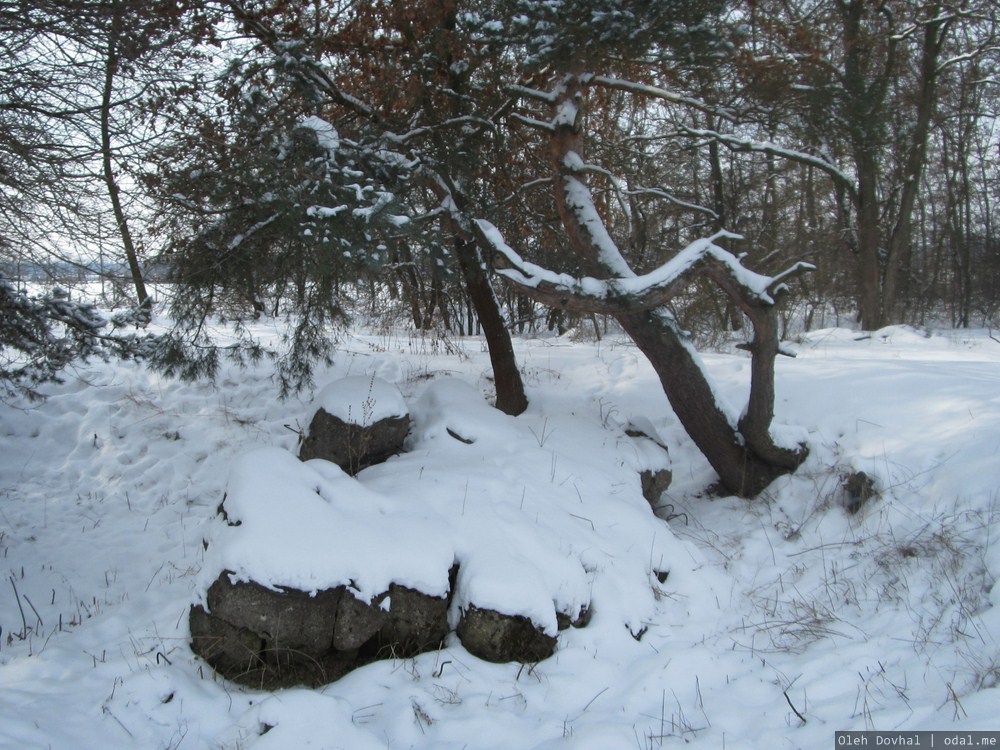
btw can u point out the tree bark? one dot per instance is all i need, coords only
(869, 241)
(110, 70)
(511, 398)
(935, 31)
(744, 455)
(741, 470)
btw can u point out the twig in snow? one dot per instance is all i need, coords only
(792, 706)
(38, 616)
(24, 622)
(108, 712)
(155, 574)
(593, 699)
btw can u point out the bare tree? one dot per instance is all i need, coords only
(858, 84)
(740, 446)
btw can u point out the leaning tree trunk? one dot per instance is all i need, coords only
(506, 377)
(511, 398)
(744, 454)
(110, 70)
(740, 469)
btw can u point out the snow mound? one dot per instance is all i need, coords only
(310, 526)
(360, 400)
(496, 498)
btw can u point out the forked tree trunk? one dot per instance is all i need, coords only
(744, 455)
(740, 469)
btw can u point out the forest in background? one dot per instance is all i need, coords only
(857, 136)
(682, 170)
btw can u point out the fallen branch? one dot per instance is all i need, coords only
(792, 706)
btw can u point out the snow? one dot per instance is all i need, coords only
(888, 618)
(326, 212)
(360, 399)
(326, 134)
(580, 201)
(627, 282)
(312, 527)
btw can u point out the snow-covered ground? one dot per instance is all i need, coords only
(782, 620)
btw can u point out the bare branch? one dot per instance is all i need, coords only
(658, 93)
(741, 144)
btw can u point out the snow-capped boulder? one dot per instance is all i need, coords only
(497, 637)
(272, 639)
(356, 422)
(417, 621)
(651, 458)
(357, 621)
(230, 649)
(266, 638)
(480, 528)
(286, 619)
(300, 585)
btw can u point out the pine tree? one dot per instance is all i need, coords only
(40, 335)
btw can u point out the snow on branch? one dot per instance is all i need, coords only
(403, 138)
(293, 56)
(739, 143)
(236, 241)
(580, 202)
(777, 285)
(529, 93)
(637, 292)
(658, 93)
(671, 198)
(327, 136)
(621, 192)
(579, 166)
(532, 122)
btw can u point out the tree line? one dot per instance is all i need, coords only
(482, 166)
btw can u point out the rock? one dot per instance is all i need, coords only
(417, 622)
(358, 622)
(654, 484)
(859, 488)
(353, 447)
(230, 650)
(271, 639)
(565, 620)
(497, 637)
(285, 620)
(653, 457)
(241, 655)
(357, 422)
